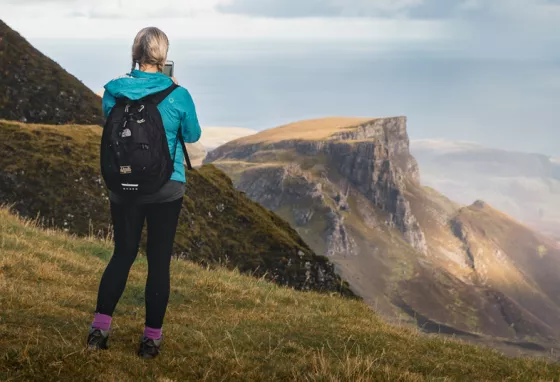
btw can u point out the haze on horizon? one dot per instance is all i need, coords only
(470, 70)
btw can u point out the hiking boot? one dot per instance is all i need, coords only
(149, 348)
(97, 339)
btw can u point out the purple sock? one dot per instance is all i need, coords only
(101, 322)
(151, 333)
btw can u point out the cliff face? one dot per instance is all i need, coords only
(352, 190)
(373, 157)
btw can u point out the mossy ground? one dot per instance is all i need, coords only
(34, 88)
(220, 325)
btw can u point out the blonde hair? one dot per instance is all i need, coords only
(150, 48)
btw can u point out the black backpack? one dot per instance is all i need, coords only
(135, 157)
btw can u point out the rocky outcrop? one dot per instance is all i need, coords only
(339, 241)
(373, 157)
(306, 197)
(369, 166)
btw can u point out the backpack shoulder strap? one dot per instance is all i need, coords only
(182, 143)
(158, 98)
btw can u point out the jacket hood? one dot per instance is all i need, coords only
(137, 84)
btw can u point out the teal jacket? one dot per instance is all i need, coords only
(177, 110)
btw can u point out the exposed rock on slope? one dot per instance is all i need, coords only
(33, 88)
(54, 171)
(352, 190)
(522, 264)
(350, 152)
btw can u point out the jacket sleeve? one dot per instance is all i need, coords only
(108, 103)
(189, 121)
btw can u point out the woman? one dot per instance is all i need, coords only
(161, 210)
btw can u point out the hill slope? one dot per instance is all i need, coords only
(220, 326)
(526, 186)
(34, 88)
(54, 171)
(353, 192)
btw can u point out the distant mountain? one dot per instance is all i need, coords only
(211, 138)
(34, 88)
(214, 136)
(197, 153)
(526, 186)
(352, 190)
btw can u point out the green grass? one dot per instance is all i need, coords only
(220, 325)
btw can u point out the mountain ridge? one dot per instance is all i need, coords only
(525, 185)
(34, 88)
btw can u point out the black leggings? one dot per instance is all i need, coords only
(128, 221)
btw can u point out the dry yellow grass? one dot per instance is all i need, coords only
(220, 326)
(313, 129)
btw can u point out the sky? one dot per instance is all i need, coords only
(511, 24)
(518, 39)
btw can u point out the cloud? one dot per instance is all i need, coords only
(494, 29)
(514, 28)
(490, 28)
(424, 9)
(145, 9)
(115, 9)
(437, 9)
(413, 9)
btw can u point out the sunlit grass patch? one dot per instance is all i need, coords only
(220, 325)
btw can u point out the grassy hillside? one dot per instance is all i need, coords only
(34, 88)
(514, 259)
(54, 171)
(220, 326)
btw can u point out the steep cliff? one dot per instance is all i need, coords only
(373, 157)
(353, 192)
